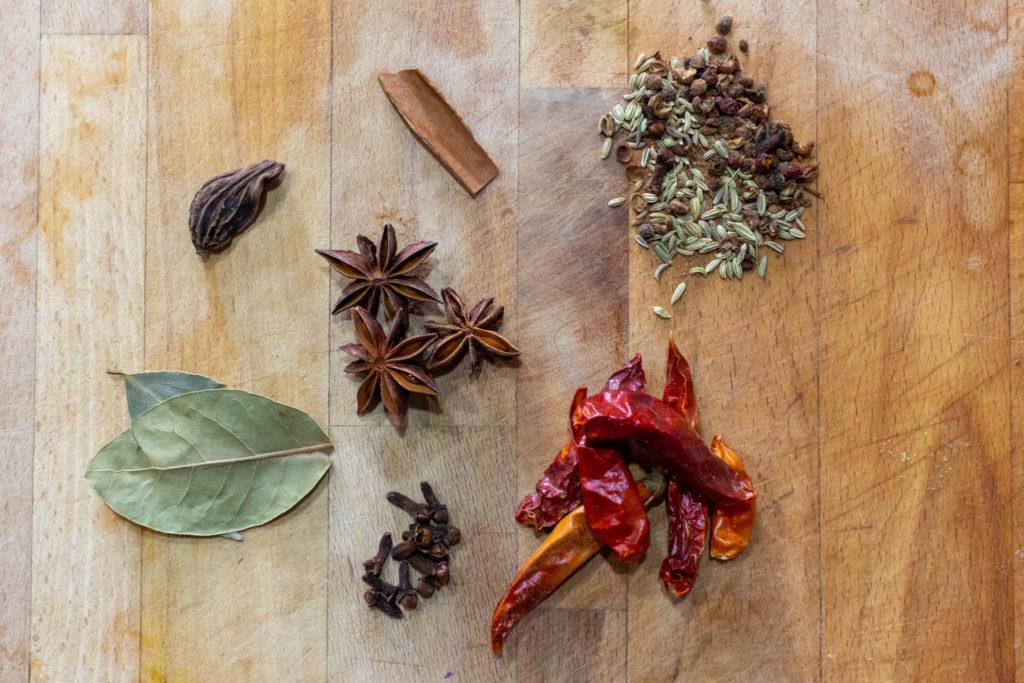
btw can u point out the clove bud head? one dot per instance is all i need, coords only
(403, 550)
(425, 588)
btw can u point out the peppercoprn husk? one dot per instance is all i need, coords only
(228, 203)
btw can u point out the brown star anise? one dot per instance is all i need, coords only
(391, 363)
(379, 273)
(475, 330)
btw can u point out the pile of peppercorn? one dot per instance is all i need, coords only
(424, 547)
(715, 175)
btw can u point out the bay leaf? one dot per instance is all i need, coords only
(211, 462)
(143, 390)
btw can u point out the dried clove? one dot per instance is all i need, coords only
(377, 601)
(424, 547)
(406, 596)
(423, 564)
(438, 512)
(437, 572)
(375, 564)
(450, 536)
(424, 536)
(442, 574)
(438, 551)
(419, 511)
(424, 587)
(403, 550)
(380, 585)
(228, 203)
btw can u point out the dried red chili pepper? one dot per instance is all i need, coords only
(558, 491)
(679, 386)
(612, 503)
(731, 524)
(687, 527)
(566, 549)
(687, 517)
(630, 377)
(615, 415)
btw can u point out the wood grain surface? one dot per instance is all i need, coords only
(86, 561)
(19, 169)
(869, 382)
(256, 79)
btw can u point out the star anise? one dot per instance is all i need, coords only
(391, 363)
(379, 273)
(475, 330)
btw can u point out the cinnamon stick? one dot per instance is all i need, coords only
(440, 129)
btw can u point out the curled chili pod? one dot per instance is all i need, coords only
(558, 491)
(612, 503)
(732, 523)
(228, 203)
(679, 386)
(630, 377)
(567, 548)
(614, 415)
(687, 516)
(687, 529)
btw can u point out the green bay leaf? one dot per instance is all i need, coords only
(211, 462)
(143, 390)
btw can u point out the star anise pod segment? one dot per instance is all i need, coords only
(475, 331)
(391, 362)
(381, 272)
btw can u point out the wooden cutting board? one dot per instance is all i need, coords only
(868, 382)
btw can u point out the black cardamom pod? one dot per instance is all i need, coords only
(228, 203)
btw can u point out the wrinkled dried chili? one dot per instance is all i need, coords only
(610, 499)
(687, 528)
(687, 517)
(558, 491)
(617, 415)
(612, 503)
(731, 524)
(679, 386)
(630, 377)
(567, 548)
(670, 430)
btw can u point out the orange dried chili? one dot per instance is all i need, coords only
(566, 549)
(732, 523)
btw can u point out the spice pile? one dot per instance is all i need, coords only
(588, 493)
(391, 361)
(424, 547)
(716, 176)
